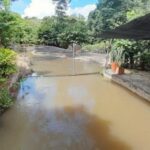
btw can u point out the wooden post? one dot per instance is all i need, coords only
(73, 49)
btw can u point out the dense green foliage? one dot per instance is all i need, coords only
(14, 29)
(135, 54)
(29, 31)
(7, 67)
(7, 62)
(5, 99)
(54, 31)
(8, 27)
(112, 13)
(62, 32)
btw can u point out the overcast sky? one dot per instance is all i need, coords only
(42, 8)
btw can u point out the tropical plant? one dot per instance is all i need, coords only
(135, 54)
(7, 62)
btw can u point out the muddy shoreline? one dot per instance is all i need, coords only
(23, 70)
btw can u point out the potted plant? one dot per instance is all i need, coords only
(120, 70)
(114, 63)
(119, 60)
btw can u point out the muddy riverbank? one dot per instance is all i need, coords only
(9, 89)
(23, 64)
(136, 81)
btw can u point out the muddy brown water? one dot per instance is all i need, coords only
(74, 112)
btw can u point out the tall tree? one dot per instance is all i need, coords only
(61, 7)
(9, 23)
(5, 4)
(112, 13)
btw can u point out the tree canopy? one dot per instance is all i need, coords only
(5, 4)
(61, 7)
(63, 32)
(112, 13)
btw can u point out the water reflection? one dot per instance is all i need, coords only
(70, 128)
(63, 66)
(80, 95)
(35, 90)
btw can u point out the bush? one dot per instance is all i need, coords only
(5, 98)
(2, 80)
(136, 53)
(142, 60)
(7, 62)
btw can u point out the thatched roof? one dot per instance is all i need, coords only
(138, 29)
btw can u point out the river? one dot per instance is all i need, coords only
(57, 111)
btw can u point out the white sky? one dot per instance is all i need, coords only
(42, 8)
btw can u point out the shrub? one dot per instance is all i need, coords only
(136, 53)
(143, 60)
(5, 98)
(7, 62)
(2, 80)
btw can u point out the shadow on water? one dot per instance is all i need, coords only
(63, 128)
(37, 123)
(71, 128)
